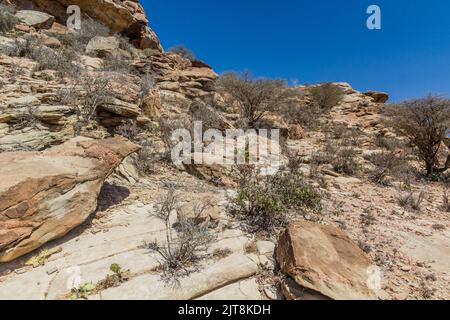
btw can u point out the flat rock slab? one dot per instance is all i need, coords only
(244, 290)
(36, 19)
(151, 287)
(44, 195)
(324, 259)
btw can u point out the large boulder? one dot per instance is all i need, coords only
(105, 47)
(377, 96)
(324, 260)
(44, 195)
(123, 16)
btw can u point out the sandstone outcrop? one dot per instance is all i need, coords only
(44, 195)
(377, 96)
(126, 17)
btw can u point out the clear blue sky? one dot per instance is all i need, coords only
(316, 41)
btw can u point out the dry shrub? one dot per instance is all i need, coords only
(303, 114)
(255, 97)
(183, 52)
(60, 60)
(186, 240)
(410, 201)
(386, 164)
(7, 19)
(77, 40)
(326, 95)
(345, 161)
(424, 122)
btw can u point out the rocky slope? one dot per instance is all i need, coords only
(88, 198)
(127, 17)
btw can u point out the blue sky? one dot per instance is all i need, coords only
(316, 41)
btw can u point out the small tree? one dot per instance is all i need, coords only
(255, 97)
(326, 95)
(424, 122)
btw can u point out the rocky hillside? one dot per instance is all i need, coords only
(89, 195)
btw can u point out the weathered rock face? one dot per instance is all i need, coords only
(325, 260)
(377, 96)
(178, 80)
(44, 195)
(39, 20)
(127, 17)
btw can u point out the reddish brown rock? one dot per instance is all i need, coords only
(126, 17)
(377, 96)
(325, 260)
(44, 195)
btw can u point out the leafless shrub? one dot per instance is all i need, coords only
(326, 95)
(183, 51)
(390, 144)
(255, 97)
(345, 161)
(146, 85)
(352, 137)
(146, 158)
(16, 71)
(46, 58)
(424, 122)
(410, 201)
(117, 64)
(185, 240)
(385, 165)
(294, 161)
(324, 156)
(26, 120)
(130, 130)
(125, 44)
(305, 115)
(78, 40)
(336, 130)
(89, 92)
(7, 19)
(425, 290)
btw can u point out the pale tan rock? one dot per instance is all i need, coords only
(119, 16)
(121, 108)
(150, 287)
(324, 259)
(36, 19)
(105, 47)
(43, 195)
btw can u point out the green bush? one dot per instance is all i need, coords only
(264, 202)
